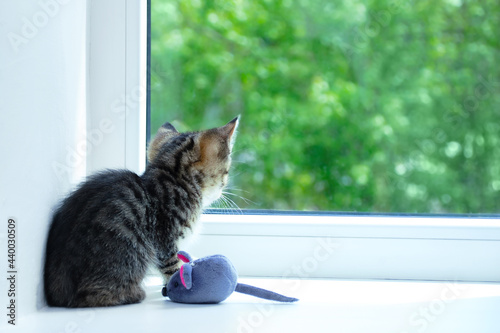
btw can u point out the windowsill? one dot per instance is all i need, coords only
(324, 306)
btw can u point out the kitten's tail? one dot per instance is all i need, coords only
(263, 293)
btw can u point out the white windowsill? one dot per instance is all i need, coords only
(324, 306)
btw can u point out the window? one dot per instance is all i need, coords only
(365, 106)
(360, 107)
(312, 243)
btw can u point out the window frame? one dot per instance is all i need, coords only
(117, 85)
(301, 245)
(356, 246)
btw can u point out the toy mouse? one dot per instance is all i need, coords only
(211, 280)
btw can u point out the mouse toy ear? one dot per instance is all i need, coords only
(184, 256)
(186, 276)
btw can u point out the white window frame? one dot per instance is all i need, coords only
(350, 246)
(117, 86)
(347, 246)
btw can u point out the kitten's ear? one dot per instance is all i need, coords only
(168, 127)
(229, 130)
(217, 143)
(165, 132)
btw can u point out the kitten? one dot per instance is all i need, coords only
(105, 234)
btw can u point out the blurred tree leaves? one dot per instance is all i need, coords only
(369, 106)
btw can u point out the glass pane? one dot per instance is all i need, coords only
(365, 106)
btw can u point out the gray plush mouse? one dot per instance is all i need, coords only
(211, 280)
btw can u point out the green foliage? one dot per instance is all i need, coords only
(369, 106)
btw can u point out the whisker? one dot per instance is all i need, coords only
(236, 189)
(246, 200)
(223, 204)
(234, 205)
(220, 204)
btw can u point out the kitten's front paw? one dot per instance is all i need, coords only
(170, 269)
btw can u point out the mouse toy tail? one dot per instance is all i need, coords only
(263, 293)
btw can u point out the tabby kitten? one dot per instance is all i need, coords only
(105, 234)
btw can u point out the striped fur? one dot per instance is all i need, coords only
(105, 235)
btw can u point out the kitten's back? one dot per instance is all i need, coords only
(105, 216)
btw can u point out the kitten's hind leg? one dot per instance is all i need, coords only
(99, 297)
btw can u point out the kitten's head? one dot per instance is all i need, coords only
(205, 156)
